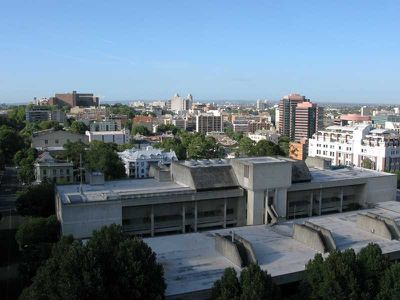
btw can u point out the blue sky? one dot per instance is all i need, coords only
(340, 51)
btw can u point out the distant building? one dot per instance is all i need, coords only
(298, 117)
(52, 140)
(146, 121)
(353, 119)
(179, 103)
(209, 123)
(267, 135)
(48, 168)
(118, 137)
(137, 161)
(106, 125)
(366, 110)
(74, 99)
(353, 145)
(43, 113)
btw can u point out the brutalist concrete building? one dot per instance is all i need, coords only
(193, 196)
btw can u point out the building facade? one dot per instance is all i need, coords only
(209, 123)
(50, 138)
(137, 161)
(74, 99)
(118, 137)
(359, 145)
(48, 168)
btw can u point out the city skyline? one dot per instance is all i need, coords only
(331, 52)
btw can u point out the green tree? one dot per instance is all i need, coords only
(228, 287)
(78, 127)
(367, 163)
(372, 265)
(284, 143)
(246, 147)
(162, 128)
(25, 160)
(10, 142)
(390, 283)
(336, 277)
(202, 147)
(111, 265)
(175, 145)
(37, 201)
(140, 129)
(267, 148)
(257, 284)
(50, 124)
(103, 157)
(74, 151)
(35, 238)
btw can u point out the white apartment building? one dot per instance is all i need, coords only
(351, 145)
(137, 161)
(48, 168)
(118, 137)
(264, 135)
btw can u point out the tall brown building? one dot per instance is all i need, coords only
(74, 99)
(298, 117)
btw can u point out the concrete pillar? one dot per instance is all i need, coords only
(183, 218)
(320, 202)
(152, 221)
(255, 203)
(225, 207)
(195, 216)
(341, 200)
(280, 202)
(311, 203)
(266, 208)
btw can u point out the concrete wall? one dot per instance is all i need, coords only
(80, 220)
(308, 236)
(329, 241)
(373, 225)
(228, 250)
(380, 189)
(251, 254)
(390, 223)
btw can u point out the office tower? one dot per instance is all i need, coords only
(209, 123)
(298, 113)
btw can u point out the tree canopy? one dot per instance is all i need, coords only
(37, 200)
(25, 159)
(78, 127)
(254, 284)
(111, 265)
(10, 142)
(140, 129)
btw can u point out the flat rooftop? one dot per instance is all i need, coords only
(343, 174)
(113, 190)
(192, 264)
(262, 160)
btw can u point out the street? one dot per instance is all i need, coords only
(8, 188)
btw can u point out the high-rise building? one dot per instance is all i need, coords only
(209, 123)
(179, 103)
(296, 113)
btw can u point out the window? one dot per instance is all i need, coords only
(54, 172)
(61, 171)
(46, 142)
(44, 172)
(56, 141)
(67, 171)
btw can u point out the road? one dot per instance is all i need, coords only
(8, 188)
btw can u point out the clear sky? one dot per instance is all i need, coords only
(340, 51)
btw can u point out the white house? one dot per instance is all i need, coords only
(118, 137)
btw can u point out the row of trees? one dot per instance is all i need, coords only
(111, 265)
(341, 275)
(192, 146)
(248, 147)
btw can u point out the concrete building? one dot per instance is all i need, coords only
(146, 121)
(74, 99)
(43, 113)
(118, 137)
(137, 161)
(105, 125)
(200, 195)
(298, 117)
(351, 145)
(209, 123)
(264, 135)
(299, 149)
(53, 140)
(179, 104)
(48, 168)
(193, 262)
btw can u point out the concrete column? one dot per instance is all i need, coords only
(152, 220)
(195, 216)
(280, 202)
(266, 208)
(311, 203)
(225, 207)
(320, 202)
(183, 218)
(341, 200)
(255, 203)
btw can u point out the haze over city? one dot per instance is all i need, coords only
(333, 51)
